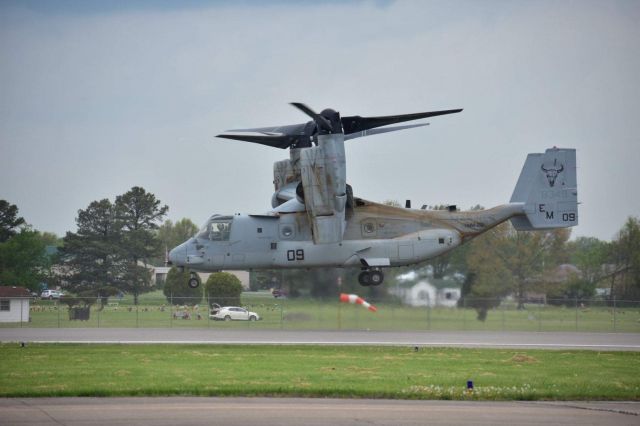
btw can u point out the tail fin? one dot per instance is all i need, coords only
(548, 188)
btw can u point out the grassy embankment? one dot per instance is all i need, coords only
(331, 315)
(311, 371)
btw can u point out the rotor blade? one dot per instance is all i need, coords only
(320, 120)
(356, 123)
(290, 129)
(378, 131)
(275, 141)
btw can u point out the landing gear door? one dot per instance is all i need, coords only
(405, 251)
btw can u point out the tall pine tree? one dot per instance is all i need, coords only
(138, 214)
(92, 259)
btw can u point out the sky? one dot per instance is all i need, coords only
(97, 97)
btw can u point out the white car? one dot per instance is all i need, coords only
(51, 294)
(228, 313)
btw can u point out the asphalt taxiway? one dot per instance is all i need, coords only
(471, 339)
(171, 411)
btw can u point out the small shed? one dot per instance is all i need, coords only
(14, 304)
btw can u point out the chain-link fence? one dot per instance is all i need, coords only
(262, 310)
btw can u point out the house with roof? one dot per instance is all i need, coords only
(427, 291)
(14, 304)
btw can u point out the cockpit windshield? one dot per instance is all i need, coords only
(217, 228)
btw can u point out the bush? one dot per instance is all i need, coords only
(570, 292)
(83, 300)
(80, 305)
(224, 289)
(177, 291)
(80, 313)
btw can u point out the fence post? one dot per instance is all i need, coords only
(540, 317)
(171, 310)
(98, 316)
(428, 317)
(137, 320)
(281, 315)
(464, 314)
(503, 315)
(614, 313)
(576, 314)
(58, 311)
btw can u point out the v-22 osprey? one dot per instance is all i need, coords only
(316, 221)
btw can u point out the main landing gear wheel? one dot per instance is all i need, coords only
(194, 281)
(376, 277)
(367, 278)
(364, 278)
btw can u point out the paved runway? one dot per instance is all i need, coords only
(309, 412)
(474, 339)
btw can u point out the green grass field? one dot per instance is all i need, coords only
(312, 371)
(332, 315)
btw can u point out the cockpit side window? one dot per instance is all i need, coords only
(220, 231)
(216, 229)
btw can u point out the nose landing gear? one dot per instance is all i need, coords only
(194, 280)
(371, 277)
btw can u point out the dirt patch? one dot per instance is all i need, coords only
(523, 359)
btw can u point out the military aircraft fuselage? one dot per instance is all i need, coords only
(375, 236)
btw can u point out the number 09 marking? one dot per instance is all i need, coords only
(293, 255)
(568, 217)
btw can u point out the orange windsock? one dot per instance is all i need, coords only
(354, 298)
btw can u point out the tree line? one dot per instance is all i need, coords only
(109, 254)
(117, 240)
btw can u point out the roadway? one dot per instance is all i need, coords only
(471, 339)
(171, 411)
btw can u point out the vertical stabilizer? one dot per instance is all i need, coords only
(548, 188)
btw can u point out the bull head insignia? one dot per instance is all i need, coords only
(552, 172)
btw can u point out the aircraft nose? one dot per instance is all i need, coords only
(178, 256)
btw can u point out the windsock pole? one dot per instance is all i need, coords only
(354, 298)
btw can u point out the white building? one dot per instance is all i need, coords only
(428, 292)
(14, 304)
